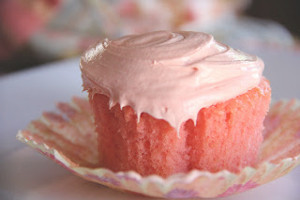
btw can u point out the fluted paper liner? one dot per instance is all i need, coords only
(69, 139)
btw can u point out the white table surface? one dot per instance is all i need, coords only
(25, 174)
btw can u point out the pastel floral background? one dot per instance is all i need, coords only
(38, 31)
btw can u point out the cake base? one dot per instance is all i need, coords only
(226, 136)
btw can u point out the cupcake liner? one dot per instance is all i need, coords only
(69, 139)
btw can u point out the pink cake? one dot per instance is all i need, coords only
(169, 102)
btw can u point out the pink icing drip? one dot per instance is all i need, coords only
(170, 75)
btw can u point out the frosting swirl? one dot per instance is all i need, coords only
(169, 75)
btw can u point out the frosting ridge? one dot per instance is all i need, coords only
(169, 75)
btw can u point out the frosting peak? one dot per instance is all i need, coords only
(169, 75)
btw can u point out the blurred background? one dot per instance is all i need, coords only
(33, 32)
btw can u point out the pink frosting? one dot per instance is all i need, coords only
(169, 75)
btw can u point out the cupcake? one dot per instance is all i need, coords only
(169, 102)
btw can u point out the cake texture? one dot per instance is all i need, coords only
(169, 102)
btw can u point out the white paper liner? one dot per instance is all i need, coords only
(69, 139)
